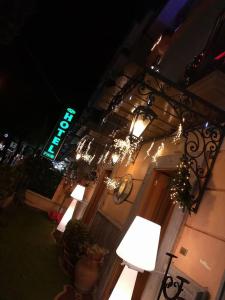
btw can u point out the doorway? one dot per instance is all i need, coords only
(157, 207)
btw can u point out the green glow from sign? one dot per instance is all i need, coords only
(52, 148)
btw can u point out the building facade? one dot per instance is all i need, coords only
(173, 62)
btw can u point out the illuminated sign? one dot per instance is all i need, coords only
(51, 149)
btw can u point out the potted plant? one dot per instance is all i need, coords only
(75, 238)
(87, 268)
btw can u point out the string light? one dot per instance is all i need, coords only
(60, 166)
(85, 156)
(157, 42)
(149, 150)
(2, 146)
(178, 135)
(158, 152)
(126, 149)
(78, 156)
(180, 188)
(105, 157)
(81, 144)
(100, 159)
(111, 183)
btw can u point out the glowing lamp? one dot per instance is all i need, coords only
(115, 158)
(138, 249)
(78, 156)
(143, 117)
(77, 194)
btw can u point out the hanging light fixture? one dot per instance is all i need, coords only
(143, 116)
(115, 157)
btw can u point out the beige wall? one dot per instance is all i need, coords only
(204, 234)
(118, 213)
(38, 201)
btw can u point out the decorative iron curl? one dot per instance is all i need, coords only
(170, 283)
(201, 148)
(144, 89)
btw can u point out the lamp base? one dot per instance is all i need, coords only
(125, 285)
(67, 216)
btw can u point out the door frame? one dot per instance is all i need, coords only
(150, 290)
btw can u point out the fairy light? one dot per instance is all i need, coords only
(158, 152)
(126, 149)
(180, 185)
(2, 146)
(84, 155)
(105, 156)
(100, 159)
(87, 158)
(89, 146)
(81, 144)
(80, 147)
(178, 135)
(60, 166)
(111, 183)
(157, 42)
(149, 150)
(78, 156)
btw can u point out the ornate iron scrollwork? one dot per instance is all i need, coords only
(169, 282)
(129, 86)
(202, 130)
(201, 123)
(201, 147)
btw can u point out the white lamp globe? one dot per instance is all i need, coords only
(78, 192)
(139, 246)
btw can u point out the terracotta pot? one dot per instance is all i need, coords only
(86, 274)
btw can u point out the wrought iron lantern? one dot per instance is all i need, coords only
(115, 157)
(143, 117)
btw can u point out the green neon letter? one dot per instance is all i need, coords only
(68, 117)
(72, 111)
(55, 141)
(64, 124)
(50, 149)
(60, 132)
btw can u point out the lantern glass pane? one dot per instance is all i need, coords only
(141, 123)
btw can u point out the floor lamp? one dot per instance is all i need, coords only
(77, 195)
(138, 249)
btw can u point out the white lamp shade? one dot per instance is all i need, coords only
(124, 288)
(140, 244)
(78, 192)
(67, 216)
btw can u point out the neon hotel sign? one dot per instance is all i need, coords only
(56, 139)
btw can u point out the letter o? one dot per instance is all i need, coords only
(64, 124)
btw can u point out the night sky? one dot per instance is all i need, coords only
(54, 54)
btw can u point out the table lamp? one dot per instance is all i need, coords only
(138, 249)
(77, 195)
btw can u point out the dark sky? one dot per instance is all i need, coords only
(53, 53)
